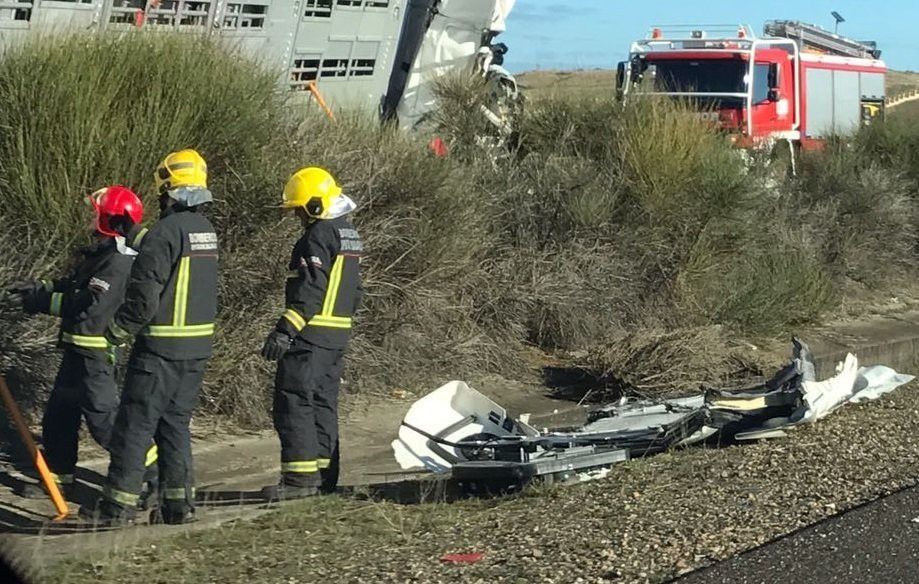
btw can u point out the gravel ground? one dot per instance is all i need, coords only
(650, 521)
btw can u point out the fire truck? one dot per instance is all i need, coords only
(797, 82)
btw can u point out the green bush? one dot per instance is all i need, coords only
(893, 145)
(136, 97)
(84, 111)
(857, 200)
(768, 282)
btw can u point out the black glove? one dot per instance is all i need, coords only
(276, 345)
(24, 295)
(115, 335)
(24, 287)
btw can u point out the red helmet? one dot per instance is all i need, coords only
(115, 202)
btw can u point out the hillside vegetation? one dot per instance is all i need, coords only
(901, 82)
(637, 235)
(602, 82)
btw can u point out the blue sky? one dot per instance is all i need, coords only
(569, 34)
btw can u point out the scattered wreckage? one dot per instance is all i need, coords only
(457, 430)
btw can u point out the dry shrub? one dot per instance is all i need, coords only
(761, 279)
(677, 169)
(581, 126)
(655, 361)
(27, 359)
(862, 213)
(893, 145)
(87, 110)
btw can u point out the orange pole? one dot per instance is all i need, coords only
(315, 91)
(34, 452)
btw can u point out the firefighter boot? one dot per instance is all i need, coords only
(284, 491)
(169, 516)
(104, 513)
(328, 473)
(149, 495)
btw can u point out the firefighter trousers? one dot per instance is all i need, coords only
(306, 414)
(84, 388)
(157, 403)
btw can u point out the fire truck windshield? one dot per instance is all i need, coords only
(699, 76)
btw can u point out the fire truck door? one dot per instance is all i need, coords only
(772, 99)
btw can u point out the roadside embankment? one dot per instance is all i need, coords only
(649, 520)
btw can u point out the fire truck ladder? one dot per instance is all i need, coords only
(814, 37)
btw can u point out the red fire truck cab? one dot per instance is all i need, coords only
(798, 82)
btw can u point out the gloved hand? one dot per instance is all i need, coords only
(276, 345)
(24, 287)
(115, 335)
(23, 294)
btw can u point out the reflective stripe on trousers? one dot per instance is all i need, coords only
(120, 497)
(178, 493)
(152, 456)
(300, 466)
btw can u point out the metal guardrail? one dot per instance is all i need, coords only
(902, 98)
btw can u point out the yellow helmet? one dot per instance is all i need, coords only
(312, 188)
(185, 168)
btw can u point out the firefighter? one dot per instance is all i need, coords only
(322, 293)
(85, 301)
(170, 305)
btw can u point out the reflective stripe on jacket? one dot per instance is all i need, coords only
(88, 297)
(171, 300)
(324, 289)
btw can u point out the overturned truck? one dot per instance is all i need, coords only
(460, 432)
(372, 55)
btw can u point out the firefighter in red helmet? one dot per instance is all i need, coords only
(85, 301)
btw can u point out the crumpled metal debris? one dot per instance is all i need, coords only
(794, 396)
(456, 429)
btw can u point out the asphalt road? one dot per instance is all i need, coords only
(877, 543)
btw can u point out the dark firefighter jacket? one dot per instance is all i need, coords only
(324, 289)
(88, 297)
(171, 298)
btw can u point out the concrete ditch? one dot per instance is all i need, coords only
(891, 340)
